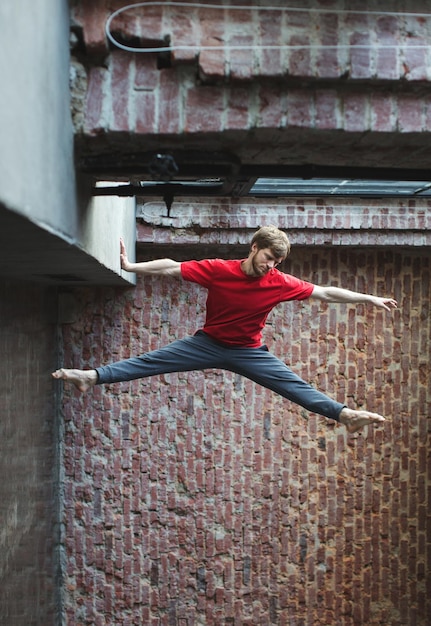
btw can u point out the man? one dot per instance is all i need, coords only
(241, 294)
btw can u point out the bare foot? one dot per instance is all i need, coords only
(355, 420)
(82, 379)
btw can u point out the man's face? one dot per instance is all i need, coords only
(263, 260)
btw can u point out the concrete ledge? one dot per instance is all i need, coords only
(30, 252)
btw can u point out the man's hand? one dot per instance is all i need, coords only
(385, 303)
(160, 267)
(125, 265)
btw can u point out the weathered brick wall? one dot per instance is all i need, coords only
(329, 221)
(351, 87)
(319, 39)
(29, 463)
(204, 499)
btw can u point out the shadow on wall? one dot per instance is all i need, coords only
(28, 456)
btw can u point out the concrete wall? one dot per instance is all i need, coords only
(47, 225)
(37, 175)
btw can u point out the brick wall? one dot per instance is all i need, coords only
(204, 499)
(320, 39)
(29, 487)
(328, 221)
(353, 89)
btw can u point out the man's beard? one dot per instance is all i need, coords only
(259, 270)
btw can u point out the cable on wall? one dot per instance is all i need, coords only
(199, 5)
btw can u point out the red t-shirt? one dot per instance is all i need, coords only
(237, 304)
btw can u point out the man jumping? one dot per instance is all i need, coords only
(241, 294)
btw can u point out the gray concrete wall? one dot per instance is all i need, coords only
(37, 171)
(36, 151)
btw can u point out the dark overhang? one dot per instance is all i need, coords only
(176, 174)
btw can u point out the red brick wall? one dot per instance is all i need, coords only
(355, 93)
(329, 221)
(321, 39)
(205, 499)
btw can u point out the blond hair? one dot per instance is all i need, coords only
(273, 238)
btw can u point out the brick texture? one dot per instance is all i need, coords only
(338, 222)
(122, 66)
(326, 41)
(29, 464)
(352, 88)
(204, 499)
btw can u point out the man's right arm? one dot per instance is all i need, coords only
(166, 267)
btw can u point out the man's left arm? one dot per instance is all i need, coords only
(337, 294)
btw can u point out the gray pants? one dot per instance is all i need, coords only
(200, 352)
